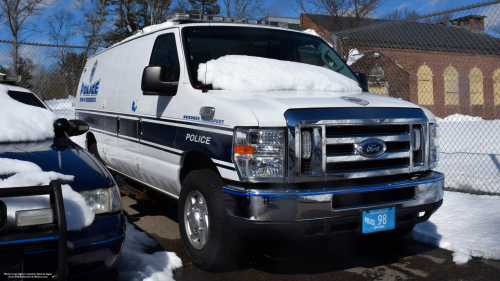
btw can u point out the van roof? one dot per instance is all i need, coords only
(183, 20)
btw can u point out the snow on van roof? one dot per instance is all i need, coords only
(256, 74)
(22, 122)
(24, 173)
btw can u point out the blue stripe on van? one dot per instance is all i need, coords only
(170, 136)
(214, 145)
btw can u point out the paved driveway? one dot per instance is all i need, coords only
(344, 258)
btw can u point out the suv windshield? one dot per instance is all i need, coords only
(26, 98)
(203, 43)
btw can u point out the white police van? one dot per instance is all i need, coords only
(260, 168)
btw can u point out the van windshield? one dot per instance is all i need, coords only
(204, 43)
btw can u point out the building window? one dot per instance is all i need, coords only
(425, 90)
(451, 85)
(476, 86)
(376, 71)
(378, 88)
(496, 86)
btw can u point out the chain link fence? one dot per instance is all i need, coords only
(449, 63)
(50, 71)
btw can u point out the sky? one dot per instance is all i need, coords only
(280, 8)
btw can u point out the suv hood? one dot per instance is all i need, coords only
(269, 107)
(89, 174)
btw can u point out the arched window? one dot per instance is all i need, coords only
(451, 85)
(376, 71)
(425, 90)
(476, 86)
(496, 86)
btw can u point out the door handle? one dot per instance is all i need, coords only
(140, 127)
(117, 124)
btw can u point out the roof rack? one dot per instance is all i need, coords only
(192, 18)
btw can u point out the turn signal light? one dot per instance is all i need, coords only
(243, 149)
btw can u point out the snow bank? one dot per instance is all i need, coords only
(22, 122)
(134, 264)
(63, 108)
(466, 224)
(459, 118)
(78, 215)
(470, 153)
(255, 74)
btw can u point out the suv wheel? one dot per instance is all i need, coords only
(208, 238)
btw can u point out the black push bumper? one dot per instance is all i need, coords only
(310, 229)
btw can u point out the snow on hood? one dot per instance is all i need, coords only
(22, 122)
(255, 74)
(78, 215)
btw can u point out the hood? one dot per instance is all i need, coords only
(270, 107)
(89, 174)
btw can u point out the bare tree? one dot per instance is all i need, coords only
(60, 29)
(96, 20)
(17, 14)
(158, 10)
(401, 14)
(239, 9)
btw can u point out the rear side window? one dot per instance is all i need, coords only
(26, 98)
(165, 54)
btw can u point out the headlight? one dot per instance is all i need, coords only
(434, 145)
(258, 154)
(105, 200)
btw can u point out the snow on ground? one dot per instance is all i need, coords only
(466, 224)
(24, 173)
(22, 122)
(255, 74)
(63, 108)
(135, 264)
(470, 153)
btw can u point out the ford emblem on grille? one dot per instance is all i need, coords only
(371, 147)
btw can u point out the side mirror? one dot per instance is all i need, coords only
(64, 128)
(152, 84)
(363, 81)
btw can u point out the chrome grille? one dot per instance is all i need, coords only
(335, 141)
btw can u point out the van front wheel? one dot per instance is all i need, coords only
(208, 238)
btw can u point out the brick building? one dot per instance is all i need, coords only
(448, 67)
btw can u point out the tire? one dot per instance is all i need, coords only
(93, 150)
(210, 243)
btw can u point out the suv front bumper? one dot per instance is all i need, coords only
(296, 214)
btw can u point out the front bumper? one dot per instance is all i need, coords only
(312, 229)
(96, 249)
(301, 210)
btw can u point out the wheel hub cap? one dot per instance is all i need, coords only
(196, 220)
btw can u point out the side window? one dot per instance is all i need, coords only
(165, 54)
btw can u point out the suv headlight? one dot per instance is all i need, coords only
(259, 154)
(104, 200)
(434, 145)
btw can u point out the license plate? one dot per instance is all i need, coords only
(379, 220)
